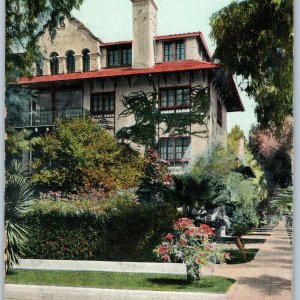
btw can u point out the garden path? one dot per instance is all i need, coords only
(269, 276)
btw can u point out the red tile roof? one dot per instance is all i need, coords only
(184, 65)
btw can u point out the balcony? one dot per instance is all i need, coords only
(48, 117)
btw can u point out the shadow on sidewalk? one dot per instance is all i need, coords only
(268, 285)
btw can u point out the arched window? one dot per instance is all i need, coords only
(54, 63)
(86, 60)
(70, 61)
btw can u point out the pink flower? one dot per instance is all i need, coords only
(227, 255)
(166, 258)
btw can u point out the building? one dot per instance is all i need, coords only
(82, 75)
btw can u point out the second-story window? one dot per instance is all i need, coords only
(86, 60)
(175, 98)
(103, 103)
(174, 148)
(70, 61)
(174, 51)
(54, 63)
(119, 57)
(39, 68)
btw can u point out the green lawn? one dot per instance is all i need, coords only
(114, 280)
(237, 258)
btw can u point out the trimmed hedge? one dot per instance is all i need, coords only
(122, 231)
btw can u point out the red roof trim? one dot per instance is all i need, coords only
(166, 67)
(177, 36)
(115, 43)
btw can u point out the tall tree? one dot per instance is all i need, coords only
(234, 137)
(254, 38)
(24, 19)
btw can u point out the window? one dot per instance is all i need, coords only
(219, 113)
(119, 57)
(54, 63)
(70, 61)
(175, 98)
(86, 60)
(174, 51)
(174, 148)
(39, 68)
(68, 99)
(103, 103)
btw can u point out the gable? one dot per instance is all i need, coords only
(72, 36)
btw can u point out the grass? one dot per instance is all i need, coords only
(237, 258)
(114, 280)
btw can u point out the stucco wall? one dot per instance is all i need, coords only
(71, 37)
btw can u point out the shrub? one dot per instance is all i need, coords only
(243, 219)
(190, 245)
(115, 228)
(80, 155)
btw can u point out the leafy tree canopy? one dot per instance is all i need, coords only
(24, 19)
(80, 155)
(233, 138)
(254, 38)
(272, 151)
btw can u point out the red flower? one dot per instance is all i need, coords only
(163, 249)
(227, 255)
(169, 237)
(183, 223)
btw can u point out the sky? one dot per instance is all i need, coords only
(110, 20)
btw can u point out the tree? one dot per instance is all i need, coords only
(233, 138)
(19, 196)
(80, 155)
(254, 38)
(150, 120)
(271, 149)
(24, 20)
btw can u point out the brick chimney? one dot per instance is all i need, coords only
(144, 18)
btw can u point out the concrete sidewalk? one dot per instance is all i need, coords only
(33, 292)
(269, 275)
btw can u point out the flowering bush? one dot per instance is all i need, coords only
(156, 170)
(191, 245)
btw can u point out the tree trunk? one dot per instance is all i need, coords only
(241, 247)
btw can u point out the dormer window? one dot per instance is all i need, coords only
(86, 60)
(70, 61)
(174, 50)
(119, 57)
(54, 63)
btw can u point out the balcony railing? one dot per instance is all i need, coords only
(48, 117)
